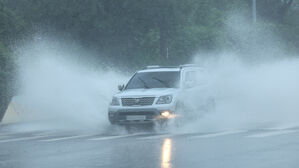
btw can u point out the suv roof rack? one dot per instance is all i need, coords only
(158, 66)
(189, 65)
(180, 66)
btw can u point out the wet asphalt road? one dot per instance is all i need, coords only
(259, 148)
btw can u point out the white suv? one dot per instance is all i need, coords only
(152, 95)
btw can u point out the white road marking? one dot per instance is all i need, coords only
(7, 134)
(66, 138)
(25, 134)
(274, 133)
(285, 126)
(156, 136)
(211, 135)
(4, 136)
(22, 139)
(14, 134)
(50, 133)
(115, 137)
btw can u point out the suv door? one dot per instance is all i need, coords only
(195, 92)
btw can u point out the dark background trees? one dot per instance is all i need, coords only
(135, 33)
(11, 27)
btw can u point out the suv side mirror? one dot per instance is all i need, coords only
(121, 87)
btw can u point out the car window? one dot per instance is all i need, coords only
(195, 77)
(147, 80)
(190, 76)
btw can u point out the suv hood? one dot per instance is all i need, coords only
(154, 92)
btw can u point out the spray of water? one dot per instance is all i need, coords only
(248, 96)
(254, 86)
(56, 91)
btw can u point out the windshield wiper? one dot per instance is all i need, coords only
(161, 81)
(144, 84)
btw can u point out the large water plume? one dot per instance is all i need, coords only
(255, 85)
(59, 89)
(249, 96)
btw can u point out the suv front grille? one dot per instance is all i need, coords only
(143, 101)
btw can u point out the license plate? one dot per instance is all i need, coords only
(135, 117)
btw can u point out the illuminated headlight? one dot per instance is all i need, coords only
(164, 99)
(115, 101)
(165, 114)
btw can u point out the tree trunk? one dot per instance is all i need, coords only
(164, 41)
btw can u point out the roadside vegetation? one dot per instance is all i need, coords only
(135, 33)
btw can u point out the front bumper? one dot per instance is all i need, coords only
(120, 115)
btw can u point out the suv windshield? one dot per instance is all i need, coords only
(147, 80)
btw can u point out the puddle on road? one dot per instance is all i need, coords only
(166, 153)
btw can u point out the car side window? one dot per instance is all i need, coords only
(190, 79)
(194, 78)
(190, 76)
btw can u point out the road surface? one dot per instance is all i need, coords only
(258, 148)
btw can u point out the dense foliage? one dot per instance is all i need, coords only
(11, 27)
(138, 32)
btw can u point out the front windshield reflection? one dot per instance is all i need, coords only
(146, 80)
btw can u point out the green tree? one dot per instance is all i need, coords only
(10, 28)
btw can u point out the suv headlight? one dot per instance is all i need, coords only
(115, 102)
(164, 99)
